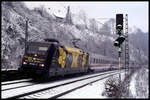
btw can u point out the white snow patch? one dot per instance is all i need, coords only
(132, 85)
(94, 90)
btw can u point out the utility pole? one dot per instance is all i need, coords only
(26, 35)
(104, 50)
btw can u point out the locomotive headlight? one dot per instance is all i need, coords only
(24, 63)
(34, 58)
(35, 55)
(42, 65)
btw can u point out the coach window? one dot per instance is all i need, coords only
(104, 62)
(107, 61)
(114, 62)
(91, 60)
(94, 60)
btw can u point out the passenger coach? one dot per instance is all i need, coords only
(102, 63)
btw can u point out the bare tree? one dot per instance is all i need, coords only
(83, 17)
(93, 25)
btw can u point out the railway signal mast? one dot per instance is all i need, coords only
(122, 37)
(127, 58)
(119, 31)
(118, 42)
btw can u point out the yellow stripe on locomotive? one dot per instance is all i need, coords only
(62, 57)
(76, 63)
(75, 53)
(73, 61)
(71, 50)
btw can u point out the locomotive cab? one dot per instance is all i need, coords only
(37, 57)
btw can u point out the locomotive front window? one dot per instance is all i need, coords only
(43, 48)
(37, 50)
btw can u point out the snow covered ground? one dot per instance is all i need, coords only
(31, 88)
(94, 90)
(138, 86)
(91, 91)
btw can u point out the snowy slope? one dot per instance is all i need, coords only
(139, 84)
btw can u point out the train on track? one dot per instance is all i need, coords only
(50, 58)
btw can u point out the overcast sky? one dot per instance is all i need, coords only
(137, 11)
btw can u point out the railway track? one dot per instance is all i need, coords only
(15, 81)
(16, 84)
(11, 74)
(50, 89)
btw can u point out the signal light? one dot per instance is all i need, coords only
(116, 43)
(119, 23)
(119, 20)
(119, 26)
(119, 41)
(119, 30)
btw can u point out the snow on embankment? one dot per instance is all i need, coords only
(139, 85)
